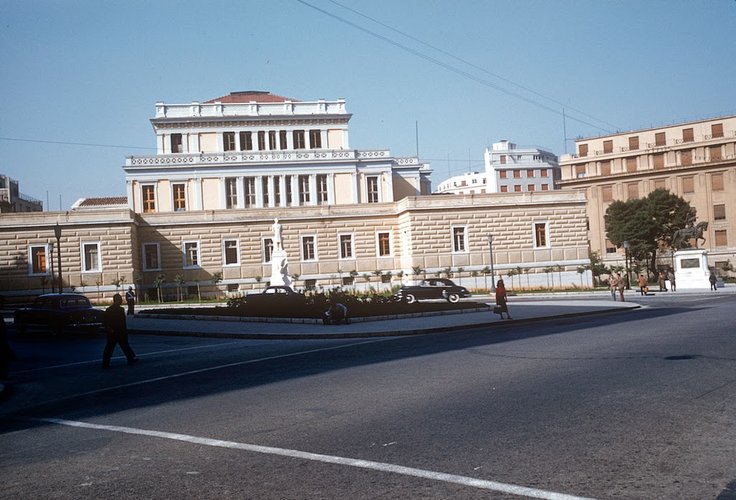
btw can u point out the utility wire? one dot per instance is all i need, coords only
(471, 64)
(65, 143)
(449, 67)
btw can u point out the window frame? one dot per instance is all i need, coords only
(267, 250)
(350, 246)
(380, 251)
(144, 256)
(185, 255)
(175, 201)
(32, 260)
(83, 256)
(148, 205)
(459, 239)
(228, 141)
(372, 189)
(225, 242)
(308, 247)
(231, 192)
(536, 233)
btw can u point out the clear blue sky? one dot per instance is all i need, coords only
(89, 72)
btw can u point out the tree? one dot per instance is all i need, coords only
(486, 271)
(647, 223)
(179, 280)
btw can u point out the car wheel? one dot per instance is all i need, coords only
(453, 298)
(410, 299)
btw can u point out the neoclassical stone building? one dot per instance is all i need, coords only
(199, 213)
(694, 160)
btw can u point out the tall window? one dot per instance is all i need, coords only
(582, 150)
(37, 259)
(688, 184)
(459, 243)
(228, 141)
(272, 140)
(346, 246)
(716, 130)
(716, 182)
(321, 189)
(715, 153)
(607, 193)
(231, 192)
(384, 244)
(261, 140)
(632, 190)
(540, 235)
(372, 188)
(606, 168)
(687, 135)
(309, 251)
(303, 189)
(501, 174)
(282, 140)
(151, 257)
(660, 139)
(315, 139)
(634, 143)
(250, 192)
(267, 249)
(191, 254)
(246, 141)
(631, 164)
(686, 157)
(176, 143)
(721, 237)
(287, 190)
(180, 199)
(298, 136)
(230, 252)
(149, 198)
(608, 146)
(719, 212)
(91, 257)
(658, 161)
(277, 191)
(264, 190)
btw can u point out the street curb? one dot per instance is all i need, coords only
(348, 335)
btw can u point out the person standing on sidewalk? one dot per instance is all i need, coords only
(613, 284)
(643, 284)
(713, 281)
(130, 299)
(501, 300)
(621, 285)
(117, 332)
(671, 277)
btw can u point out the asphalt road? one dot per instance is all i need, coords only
(637, 405)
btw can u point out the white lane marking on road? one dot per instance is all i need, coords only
(330, 459)
(213, 368)
(148, 354)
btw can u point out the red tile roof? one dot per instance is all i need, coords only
(247, 96)
(102, 202)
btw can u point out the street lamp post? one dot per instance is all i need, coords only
(626, 259)
(57, 233)
(52, 268)
(493, 274)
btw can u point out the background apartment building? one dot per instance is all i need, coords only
(694, 160)
(12, 200)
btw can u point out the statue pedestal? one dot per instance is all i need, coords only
(691, 269)
(280, 269)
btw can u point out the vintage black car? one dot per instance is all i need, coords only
(275, 296)
(438, 288)
(59, 312)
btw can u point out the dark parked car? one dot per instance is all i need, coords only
(438, 288)
(275, 296)
(59, 312)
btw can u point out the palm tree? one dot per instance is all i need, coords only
(474, 274)
(416, 271)
(158, 282)
(179, 280)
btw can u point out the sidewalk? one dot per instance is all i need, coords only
(522, 310)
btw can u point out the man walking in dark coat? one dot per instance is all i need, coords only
(117, 332)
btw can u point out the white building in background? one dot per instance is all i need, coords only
(514, 169)
(509, 169)
(470, 183)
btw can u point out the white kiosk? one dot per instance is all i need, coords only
(691, 269)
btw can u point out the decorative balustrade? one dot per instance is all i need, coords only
(184, 159)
